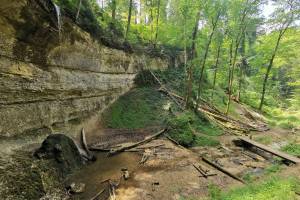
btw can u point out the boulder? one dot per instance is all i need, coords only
(63, 151)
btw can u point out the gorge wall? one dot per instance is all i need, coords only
(51, 80)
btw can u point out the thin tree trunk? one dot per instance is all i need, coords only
(191, 57)
(284, 28)
(216, 70)
(185, 49)
(78, 10)
(129, 19)
(157, 20)
(231, 77)
(237, 44)
(269, 69)
(204, 59)
(113, 9)
(240, 84)
(151, 18)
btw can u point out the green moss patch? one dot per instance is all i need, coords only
(139, 108)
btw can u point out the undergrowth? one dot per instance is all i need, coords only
(190, 130)
(292, 148)
(274, 188)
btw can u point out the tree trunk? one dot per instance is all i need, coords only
(242, 67)
(237, 44)
(78, 10)
(231, 77)
(268, 73)
(191, 57)
(240, 85)
(113, 9)
(204, 60)
(151, 21)
(129, 19)
(157, 20)
(216, 70)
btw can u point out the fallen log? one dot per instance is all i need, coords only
(151, 146)
(127, 147)
(280, 154)
(222, 170)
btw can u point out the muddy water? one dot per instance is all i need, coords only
(104, 168)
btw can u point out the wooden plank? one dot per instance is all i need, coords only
(280, 154)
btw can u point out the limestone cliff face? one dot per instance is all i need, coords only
(49, 80)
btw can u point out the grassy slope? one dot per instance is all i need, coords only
(145, 106)
(139, 108)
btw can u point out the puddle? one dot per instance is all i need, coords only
(104, 168)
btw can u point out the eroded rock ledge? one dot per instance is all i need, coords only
(50, 81)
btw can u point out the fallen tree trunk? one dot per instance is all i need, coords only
(148, 139)
(222, 170)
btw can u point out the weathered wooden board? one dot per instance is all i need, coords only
(270, 150)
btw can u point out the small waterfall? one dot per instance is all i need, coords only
(58, 16)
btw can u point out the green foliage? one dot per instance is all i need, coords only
(139, 108)
(292, 148)
(181, 130)
(272, 189)
(273, 168)
(204, 140)
(190, 130)
(214, 191)
(283, 118)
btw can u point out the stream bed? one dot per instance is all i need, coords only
(93, 174)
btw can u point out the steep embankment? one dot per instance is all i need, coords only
(51, 80)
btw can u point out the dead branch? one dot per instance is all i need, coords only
(199, 170)
(84, 145)
(97, 195)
